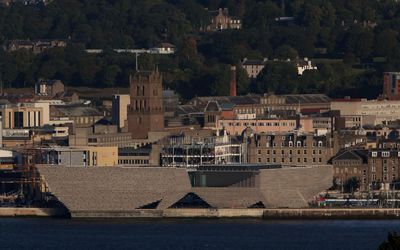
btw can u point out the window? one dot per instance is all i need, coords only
(385, 154)
(374, 154)
(305, 159)
(259, 151)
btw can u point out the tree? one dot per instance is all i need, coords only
(351, 184)
(243, 81)
(286, 52)
(386, 42)
(278, 77)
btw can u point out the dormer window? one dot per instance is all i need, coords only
(385, 154)
(299, 144)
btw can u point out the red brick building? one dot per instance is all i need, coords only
(146, 111)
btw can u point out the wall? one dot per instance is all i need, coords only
(291, 187)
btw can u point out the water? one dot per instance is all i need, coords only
(192, 234)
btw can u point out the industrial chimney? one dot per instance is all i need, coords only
(232, 89)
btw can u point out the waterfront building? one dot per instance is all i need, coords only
(79, 156)
(288, 148)
(349, 163)
(192, 151)
(148, 155)
(153, 189)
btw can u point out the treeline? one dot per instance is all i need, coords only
(360, 39)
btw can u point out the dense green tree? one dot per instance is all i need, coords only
(280, 78)
(355, 31)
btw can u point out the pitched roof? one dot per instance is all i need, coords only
(78, 111)
(307, 98)
(352, 154)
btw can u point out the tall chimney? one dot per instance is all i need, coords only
(232, 89)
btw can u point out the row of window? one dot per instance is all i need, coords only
(384, 169)
(259, 124)
(385, 177)
(109, 139)
(383, 154)
(137, 161)
(290, 144)
(290, 160)
(290, 152)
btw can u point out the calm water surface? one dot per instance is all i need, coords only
(192, 234)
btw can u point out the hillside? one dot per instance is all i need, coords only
(354, 41)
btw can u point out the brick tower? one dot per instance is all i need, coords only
(146, 112)
(232, 87)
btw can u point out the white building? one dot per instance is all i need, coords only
(367, 112)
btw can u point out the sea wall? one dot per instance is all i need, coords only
(31, 212)
(379, 213)
(339, 213)
(307, 213)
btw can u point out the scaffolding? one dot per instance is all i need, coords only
(191, 152)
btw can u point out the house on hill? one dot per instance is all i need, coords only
(221, 20)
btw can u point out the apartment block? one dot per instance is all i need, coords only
(288, 148)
